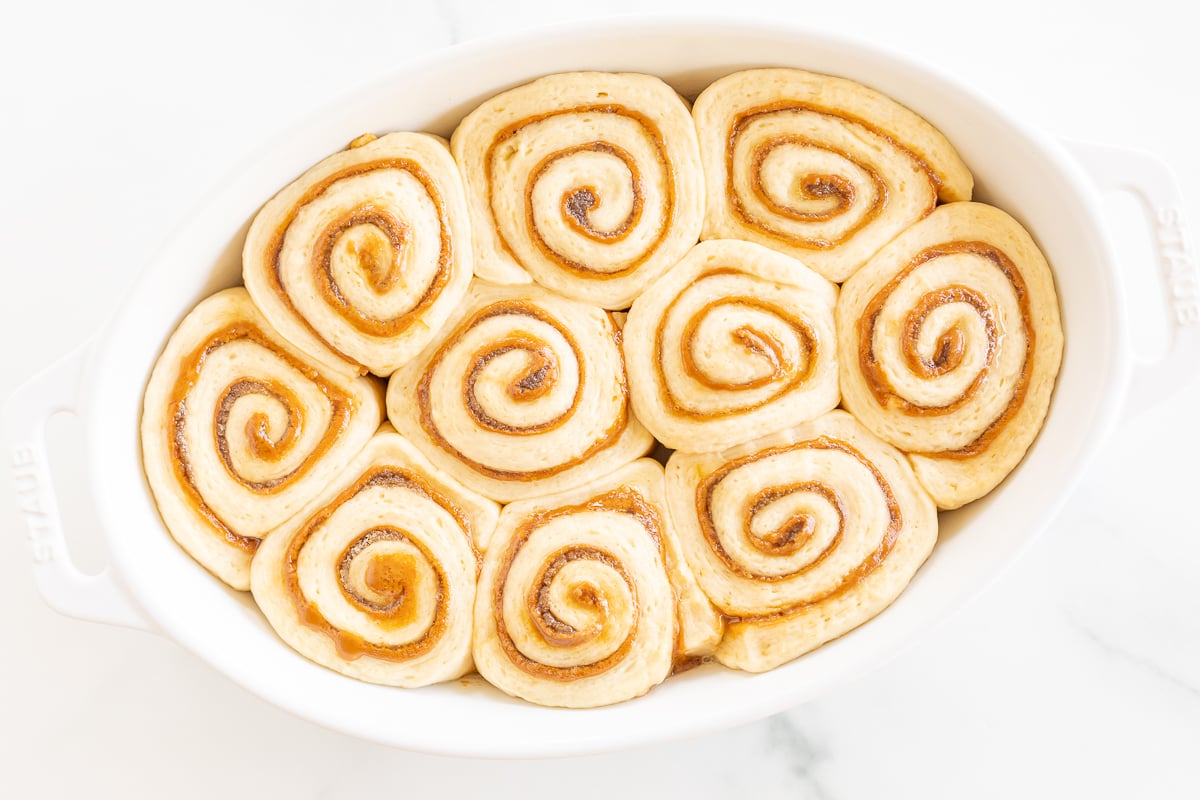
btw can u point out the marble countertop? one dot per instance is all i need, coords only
(1075, 674)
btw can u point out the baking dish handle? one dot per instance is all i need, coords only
(66, 589)
(1152, 182)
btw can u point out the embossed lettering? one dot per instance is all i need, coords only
(1168, 217)
(29, 499)
(1182, 281)
(22, 456)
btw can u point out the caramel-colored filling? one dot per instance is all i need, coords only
(257, 431)
(342, 407)
(543, 622)
(535, 382)
(390, 576)
(951, 344)
(757, 344)
(377, 258)
(796, 530)
(552, 629)
(577, 204)
(379, 263)
(813, 186)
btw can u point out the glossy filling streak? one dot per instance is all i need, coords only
(380, 259)
(537, 380)
(755, 344)
(836, 192)
(579, 202)
(798, 529)
(951, 344)
(258, 436)
(386, 595)
(260, 443)
(542, 621)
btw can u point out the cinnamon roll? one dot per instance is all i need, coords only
(366, 254)
(583, 599)
(732, 343)
(588, 182)
(950, 342)
(821, 168)
(375, 578)
(240, 429)
(523, 393)
(800, 536)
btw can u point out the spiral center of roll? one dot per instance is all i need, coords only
(836, 192)
(608, 166)
(268, 434)
(380, 574)
(527, 380)
(371, 239)
(577, 204)
(814, 190)
(578, 593)
(951, 343)
(784, 179)
(764, 347)
(796, 531)
(769, 345)
(790, 521)
(375, 255)
(793, 531)
(388, 576)
(597, 187)
(261, 443)
(962, 335)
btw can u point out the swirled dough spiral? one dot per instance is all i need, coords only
(583, 599)
(950, 341)
(821, 168)
(523, 393)
(376, 577)
(240, 429)
(800, 536)
(588, 182)
(732, 343)
(366, 254)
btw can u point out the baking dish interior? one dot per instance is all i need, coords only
(1015, 168)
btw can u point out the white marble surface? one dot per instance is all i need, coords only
(1076, 674)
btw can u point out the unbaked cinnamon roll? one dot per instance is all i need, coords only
(821, 168)
(732, 343)
(800, 536)
(588, 182)
(366, 254)
(240, 430)
(375, 578)
(950, 342)
(523, 393)
(583, 599)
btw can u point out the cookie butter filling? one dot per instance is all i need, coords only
(604, 163)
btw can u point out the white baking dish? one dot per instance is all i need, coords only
(153, 584)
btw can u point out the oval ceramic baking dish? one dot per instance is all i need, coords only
(1052, 188)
